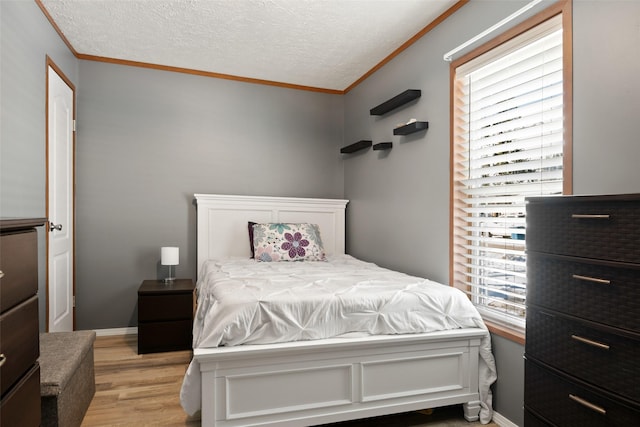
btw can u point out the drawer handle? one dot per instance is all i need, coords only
(587, 404)
(590, 216)
(591, 342)
(1, 274)
(3, 359)
(592, 279)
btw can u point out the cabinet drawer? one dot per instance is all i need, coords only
(165, 307)
(566, 403)
(21, 406)
(604, 359)
(20, 341)
(19, 263)
(592, 229)
(164, 336)
(611, 299)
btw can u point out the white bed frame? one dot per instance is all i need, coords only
(316, 382)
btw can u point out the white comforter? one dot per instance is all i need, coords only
(242, 301)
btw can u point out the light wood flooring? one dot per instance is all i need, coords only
(143, 390)
(136, 390)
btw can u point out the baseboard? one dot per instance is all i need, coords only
(502, 421)
(117, 331)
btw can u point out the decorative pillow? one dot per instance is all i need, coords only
(287, 242)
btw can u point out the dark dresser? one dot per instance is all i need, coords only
(582, 352)
(19, 324)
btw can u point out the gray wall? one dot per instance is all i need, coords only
(399, 202)
(148, 140)
(606, 105)
(26, 39)
(399, 210)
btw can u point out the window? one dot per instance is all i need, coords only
(509, 140)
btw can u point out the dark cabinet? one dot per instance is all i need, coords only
(582, 351)
(19, 323)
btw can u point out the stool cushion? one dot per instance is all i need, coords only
(61, 353)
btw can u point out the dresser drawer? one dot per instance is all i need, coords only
(604, 359)
(20, 341)
(19, 263)
(566, 403)
(165, 307)
(568, 286)
(21, 406)
(532, 420)
(593, 229)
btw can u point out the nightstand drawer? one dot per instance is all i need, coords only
(566, 403)
(586, 289)
(165, 307)
(164, 336)
(602, 358)
(608, 230)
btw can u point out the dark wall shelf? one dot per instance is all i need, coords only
(411, 128)
(387, 106)
(383, 146)
(395, 102)
(356, 146)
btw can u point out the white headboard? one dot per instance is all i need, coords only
(223, 220)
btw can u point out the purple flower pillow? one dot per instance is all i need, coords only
(287, 242)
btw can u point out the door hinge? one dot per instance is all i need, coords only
(74, 301)
(74, 125)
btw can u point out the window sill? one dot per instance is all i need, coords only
(505, 332)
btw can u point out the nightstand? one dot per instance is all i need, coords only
(165, 315)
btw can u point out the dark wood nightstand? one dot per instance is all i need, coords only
(165, 315)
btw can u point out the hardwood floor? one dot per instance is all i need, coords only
(143, 390)
(136, 390)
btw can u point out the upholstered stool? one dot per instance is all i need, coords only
(67, 379)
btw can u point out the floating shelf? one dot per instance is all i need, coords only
(411, 128)
(360, 145)
(395, 102)
(383, 146)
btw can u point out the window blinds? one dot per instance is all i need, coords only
(508, 144)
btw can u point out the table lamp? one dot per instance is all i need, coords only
(169, 255)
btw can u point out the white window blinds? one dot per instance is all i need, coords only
(507, 145)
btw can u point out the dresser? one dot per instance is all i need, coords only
(19, 324)
(165, 315)
(582, 351)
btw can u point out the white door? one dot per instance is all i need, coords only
(60, 199)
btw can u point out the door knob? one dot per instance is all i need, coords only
(55, 227)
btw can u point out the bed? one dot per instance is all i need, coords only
(316, 379)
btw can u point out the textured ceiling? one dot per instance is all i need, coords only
(327, 44)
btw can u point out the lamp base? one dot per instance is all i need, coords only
(170, 279)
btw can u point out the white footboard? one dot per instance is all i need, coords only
(315, 382)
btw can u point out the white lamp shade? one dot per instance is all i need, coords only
(169, 255)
